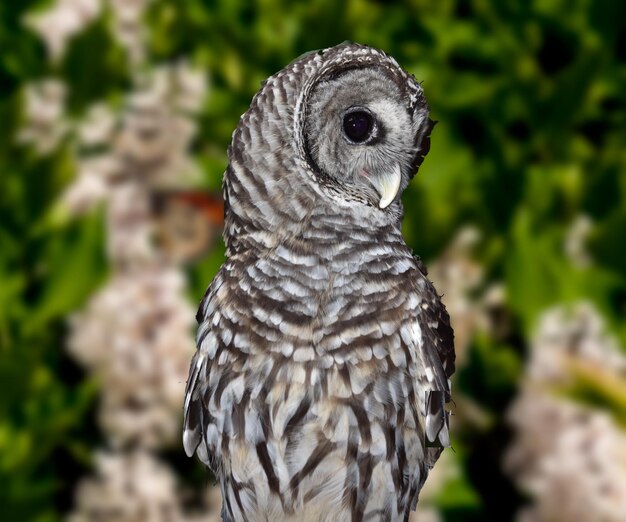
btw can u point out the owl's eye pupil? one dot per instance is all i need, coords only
(358, 126)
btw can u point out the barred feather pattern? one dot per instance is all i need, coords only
(318, 389)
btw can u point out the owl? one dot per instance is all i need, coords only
(319, 387)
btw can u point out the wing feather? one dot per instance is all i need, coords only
(439, 361)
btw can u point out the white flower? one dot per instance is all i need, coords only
(63, 20)
(98, 126)
(44, 119)
(578, 333)
(576, 241)
(128, 27)
(191, 88)
(129, 225)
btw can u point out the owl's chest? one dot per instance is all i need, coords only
(298, 430)
(327, 336)
(314, 370)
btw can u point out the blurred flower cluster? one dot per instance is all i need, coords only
(144, 147)
(569, 456)
(518, 213)
(135, 335)
(135, 487)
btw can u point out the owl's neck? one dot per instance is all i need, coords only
(266, 211)
(323, 229)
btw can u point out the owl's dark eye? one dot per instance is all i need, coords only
(358, 126)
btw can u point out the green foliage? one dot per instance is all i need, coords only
(530, 99)
(46, 272)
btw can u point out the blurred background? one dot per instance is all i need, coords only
(115, 118)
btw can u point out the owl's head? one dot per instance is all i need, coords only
(339, 131)
(364, 124)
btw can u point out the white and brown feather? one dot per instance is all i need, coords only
(320, 338)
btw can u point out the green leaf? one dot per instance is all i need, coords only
(75, 265)
(607, 240)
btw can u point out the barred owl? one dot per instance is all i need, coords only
(318, 391)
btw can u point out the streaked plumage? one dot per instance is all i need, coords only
(319, 386)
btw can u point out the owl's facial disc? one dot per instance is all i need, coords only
(361, 134)
(360, 127)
